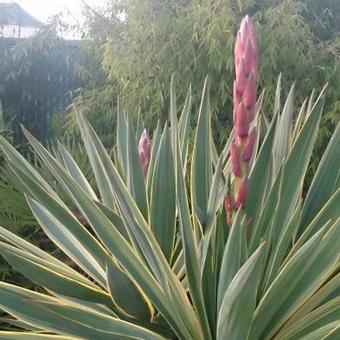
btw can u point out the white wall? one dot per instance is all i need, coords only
(13, 31)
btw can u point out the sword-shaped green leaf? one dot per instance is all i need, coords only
(134, 174)
(301, 276)
(33, 336)
(324, 183)
(47, 312)
(121, 137)
(75, 171)
(44, 274)
(238, 303)
(232, 257)
(201, 167)
(163, 197)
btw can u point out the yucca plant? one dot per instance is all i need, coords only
(159, 256)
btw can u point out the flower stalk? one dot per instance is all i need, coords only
(244, 101)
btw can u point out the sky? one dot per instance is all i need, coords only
(43, 9)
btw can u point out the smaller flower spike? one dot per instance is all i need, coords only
(144, 150)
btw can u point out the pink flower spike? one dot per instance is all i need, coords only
(235, 160)
(242, 194)
(144, 150)
(248, 151)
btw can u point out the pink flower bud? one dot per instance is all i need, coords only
(248, 151)
(239, 48)
(242, 121)
(249, 58)
(248, 32)
(235, 160)
(246, 48)
(241, 195)
(244, 29)
(249, 96)
(241, 77)
(144, 150)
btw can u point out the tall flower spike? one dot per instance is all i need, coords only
(244, 97)
(144, 150)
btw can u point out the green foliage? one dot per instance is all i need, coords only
(98, 105)
(140, 47)
(15, 214)
(274, 275)
(39, 77)
(143, 45)
(323, 17)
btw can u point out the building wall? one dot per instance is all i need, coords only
(14, 31)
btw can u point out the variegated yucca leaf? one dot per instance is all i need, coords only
(152, 255)
(152, 263)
